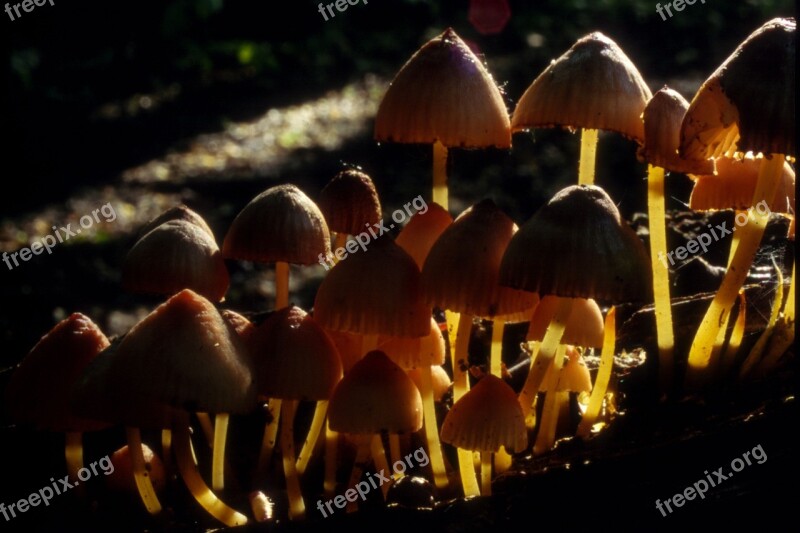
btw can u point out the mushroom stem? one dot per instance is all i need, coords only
(719, 342)
(310, 444)
(208, 428)
(362, 456)
(750, 237)
(588, 155)
(547, 351)
(496, 362)
(218, 456)
(729, 357)
(140, 473)
(466, 465)
(486, 473)
(194, 482)
(784, 334)
(394, 452)
(758, 348)
(440, 175)
(166, 449)
(281, 285)
(297, 508)
(502, 460)
(603, 376)
(73, 453)
(379, 457)
(432, 429)
(658, 262)
(331, 444)
(268, 442)
(546, 436)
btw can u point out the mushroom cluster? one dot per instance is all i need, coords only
(367, 369)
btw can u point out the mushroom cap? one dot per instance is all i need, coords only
(444, 93)
(350, 202)
(584, 325)
(440, 379)
(174, 256)
(184, 354)
(412, 352)
(280, 224)
(36, 391)
(294, 359)
(577, 246)
(374, 292)
(733, 186)
(593, 85)
(485, 418)
(747, 104)
(662, 134)
(348, 345)
(376, 395)
(462, 269)
(574, 377)
(243, 327)
(178, 212)
(422, 231)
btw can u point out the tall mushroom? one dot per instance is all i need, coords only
(443, 96)
(592, 86)
(747, 105)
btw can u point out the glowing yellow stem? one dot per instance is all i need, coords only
(281, 285)
(784, 331)
(452, 319)
(166, 449)
(486, 473)
(731, 351)
(140, 474)
(461, 357)
(218, 457)
(73, 453)
(297, 508)
(603, 376)
(331, 444)
(432, 430)
(547, 351)
(440, 174)
(758, 348)
(496, 364)
(658, 262)
(546, 436)
(719, 342)
(750, 238)
(194, 482)
(310, 444)
(588, 156)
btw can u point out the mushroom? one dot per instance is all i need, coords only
(484, 419)
(294, 360)
(592, 86)
(35, 394)
(350, 203)
(579, 226)
(662, 122)
(443, 96)
(376, 396)
(178, 212)
(747, 105)
(461, 274)
(440, 378)
(173, 256)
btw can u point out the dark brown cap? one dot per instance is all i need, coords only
(350, 202)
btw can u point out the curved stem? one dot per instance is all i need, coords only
(603, 376)
(486, 473)
(218, 456)
(750, 238)
(269, 439)
(281, 285)
(541, 360)
(440, 175)
(546, 436)
(588, 156)
(496, 361)
(310, 444)
(331, 444)
(194, 482)
(381, 465)
(297, 507)
(73, 454)
(140, 474)
(658, 263)
(432, 430)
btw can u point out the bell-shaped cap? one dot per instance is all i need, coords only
(593, 85)
(350, 202)
(577, 246)
(574, 375)
(444, 93)
(280, 224)
(376, 395)
(422, 230)
(485, 418)
(178, 212)
(584, 325)
(413, 352)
